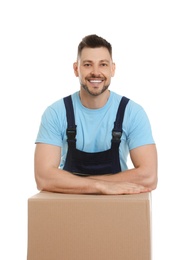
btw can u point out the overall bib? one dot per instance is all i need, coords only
(99, 163)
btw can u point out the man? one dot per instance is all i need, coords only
(81, 147)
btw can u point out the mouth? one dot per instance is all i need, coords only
(95, 81)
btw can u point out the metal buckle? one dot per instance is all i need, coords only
(116, 135)
(71, 133)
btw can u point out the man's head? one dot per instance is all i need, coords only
(93, 41)
(94, 65)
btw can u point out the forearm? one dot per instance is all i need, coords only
(137, 176)
(56, 180)
(65, 182)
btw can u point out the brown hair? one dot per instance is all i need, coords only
(93, 41)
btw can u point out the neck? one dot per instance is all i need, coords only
(94, 102)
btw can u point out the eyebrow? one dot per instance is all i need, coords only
(99, 61)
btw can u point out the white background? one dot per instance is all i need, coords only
(38, 45)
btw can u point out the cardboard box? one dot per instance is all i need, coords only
(89, 227)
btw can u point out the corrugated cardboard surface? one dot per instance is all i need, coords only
(89, 227)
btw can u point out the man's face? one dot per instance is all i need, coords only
(94, 69)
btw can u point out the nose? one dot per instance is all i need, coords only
(95, 71)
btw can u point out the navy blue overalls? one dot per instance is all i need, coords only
(99, 163)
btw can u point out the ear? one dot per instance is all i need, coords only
(75, 68)
(113, 69)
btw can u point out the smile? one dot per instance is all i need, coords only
(95, 81)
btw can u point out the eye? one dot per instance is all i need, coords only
(104, 64)
(87, 64)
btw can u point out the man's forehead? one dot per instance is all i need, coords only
(95, 54)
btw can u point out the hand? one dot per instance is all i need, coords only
(118, 188)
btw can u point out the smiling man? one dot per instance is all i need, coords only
(94, 68)
(84, 139)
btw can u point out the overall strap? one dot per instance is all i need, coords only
(71, 129)
(117, 130)
(116, 135)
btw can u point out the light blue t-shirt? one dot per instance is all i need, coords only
(94, 127)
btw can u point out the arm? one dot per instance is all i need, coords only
(50, 178)
(144, 159)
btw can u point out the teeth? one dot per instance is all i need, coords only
(95, 81)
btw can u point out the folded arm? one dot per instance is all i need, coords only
(49, 177)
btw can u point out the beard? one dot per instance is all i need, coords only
(94, 93)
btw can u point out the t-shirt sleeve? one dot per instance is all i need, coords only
(139, 130)
(50, 128)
